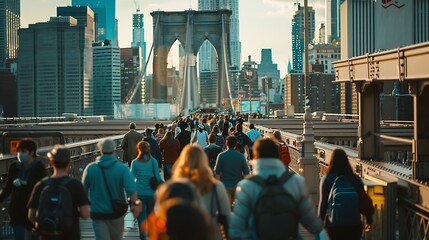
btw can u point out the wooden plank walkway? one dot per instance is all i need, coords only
(131, 232)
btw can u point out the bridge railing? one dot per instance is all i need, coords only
(82, 154)
(388, 183)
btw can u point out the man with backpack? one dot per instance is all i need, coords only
(271, 204)
(243, 140)
(200, 136)
(212, 150)
(57, 202)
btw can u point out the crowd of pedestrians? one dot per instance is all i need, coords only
(201, 177)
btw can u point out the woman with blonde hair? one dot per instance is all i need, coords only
(193, 164)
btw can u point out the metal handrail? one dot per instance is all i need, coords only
(393, 138)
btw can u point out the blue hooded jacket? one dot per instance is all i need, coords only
(118, 179)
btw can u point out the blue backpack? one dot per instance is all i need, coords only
(343, 203)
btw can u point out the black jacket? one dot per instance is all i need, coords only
(18, 210)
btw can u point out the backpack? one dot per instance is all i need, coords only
(212, 154)
(343, 203)
(276, 212)
(196, 137)
(284, 153)
(240, 139)
(55, 212)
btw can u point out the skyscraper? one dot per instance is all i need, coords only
(320, 34)
(323, 94)
(332, 20)
(267, 68)
(371, 26)
(107, 77)
(83, 14)
(131, 65)
(298, 35)
(207, 59)
(10, 16)
(138, 34)
(55, 68)
(324, 54)
(105, 11)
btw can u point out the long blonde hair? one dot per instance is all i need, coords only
(194, 165)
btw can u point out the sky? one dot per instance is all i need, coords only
(263, 23)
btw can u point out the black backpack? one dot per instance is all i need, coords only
(212, 154)
(55, 213)
(276, 212)
(240, 139)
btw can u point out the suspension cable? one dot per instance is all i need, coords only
(225, 63)
(131, 94)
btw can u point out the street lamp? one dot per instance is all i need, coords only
(249, 69)
(241, 94)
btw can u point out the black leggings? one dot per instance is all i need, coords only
(345, 232)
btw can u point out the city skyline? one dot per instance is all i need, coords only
(275, 13)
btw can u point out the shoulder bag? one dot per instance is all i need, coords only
(120, 207)
(154, 183)
(221, 218)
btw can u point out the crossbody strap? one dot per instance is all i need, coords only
(105, 182)
(153, 167)
(216, 199)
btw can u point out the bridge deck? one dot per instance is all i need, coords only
(131, 231)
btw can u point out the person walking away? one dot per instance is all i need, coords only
(212, 150)
(220, 141)
(253, 135)
(243, 140)
(154, 148)
(143, 168)
(184, 136)
(159, 135)
(283, 148)
(207, 127)
(272, 193)
(231, 167)
(65, 213)
(220, 123)
(129, 143)
(200, 136)
(170, 149)
(21, 178)
(348, 224)
(193, 165)
(107, 180)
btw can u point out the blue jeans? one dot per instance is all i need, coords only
(148, 203)
(167, 171)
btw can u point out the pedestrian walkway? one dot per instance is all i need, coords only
(130, 232)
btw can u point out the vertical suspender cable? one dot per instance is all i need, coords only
(131, 94)
(225, 63)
